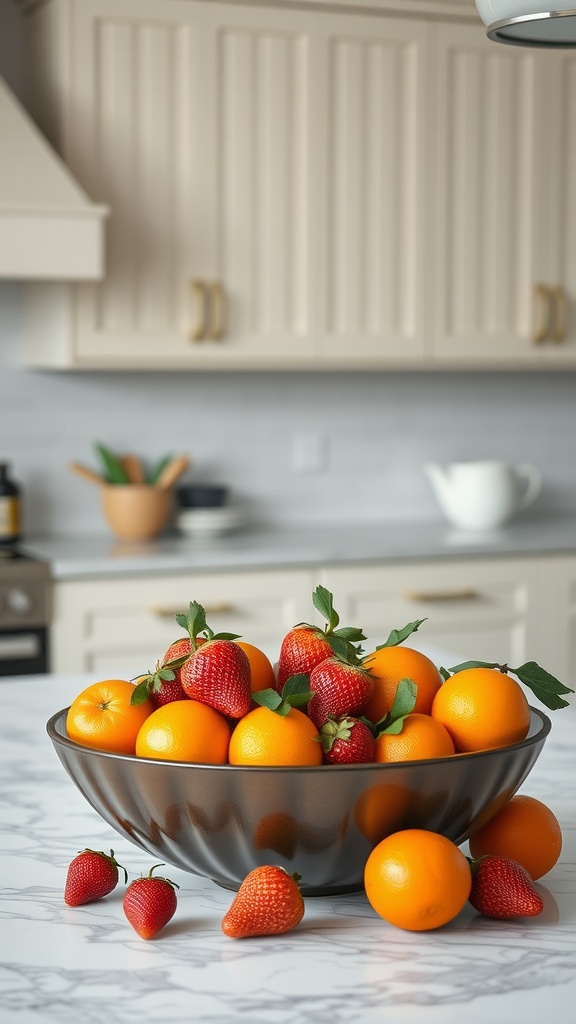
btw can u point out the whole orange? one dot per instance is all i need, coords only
(417, 879)
(421, 737)
(391, 664)
(263, 737)
(261, 671)
(102, 716)
(482, 708)
(525, 830)
(185, 730)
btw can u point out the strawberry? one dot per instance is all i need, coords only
(268, 902)
(217, 671)
(161, 686)
(502, 888)
(305, 646)
(91, 875)
(339, 688)
(347, 740)
(149, 903)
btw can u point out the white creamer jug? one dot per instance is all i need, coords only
(483, 495)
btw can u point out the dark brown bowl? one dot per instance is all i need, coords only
(222, 821)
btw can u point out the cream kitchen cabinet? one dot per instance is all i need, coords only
(505, 181)
(121, 627)
(485, 609)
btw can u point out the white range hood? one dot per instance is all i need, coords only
(49, 228)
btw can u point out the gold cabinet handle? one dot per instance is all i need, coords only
(200, 303)
(543, 300)
(217, 311)
(441, 595)
(168, 612)
(559, 331)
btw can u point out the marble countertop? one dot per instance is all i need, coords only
(342, 965)
(277, 546)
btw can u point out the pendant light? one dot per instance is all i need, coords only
(525, 23)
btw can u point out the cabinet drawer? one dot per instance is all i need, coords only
(131, 622)
(477, 609)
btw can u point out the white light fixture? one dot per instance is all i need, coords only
(525, 23)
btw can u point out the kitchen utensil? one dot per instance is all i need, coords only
(133, 468)
(172, 472)
(87, 474)
(136, 511)
(485, 494)
(224, 820)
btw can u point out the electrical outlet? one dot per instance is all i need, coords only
(309, 453)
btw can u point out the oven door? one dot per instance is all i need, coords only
(24, 651)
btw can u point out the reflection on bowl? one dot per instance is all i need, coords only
(222, 821)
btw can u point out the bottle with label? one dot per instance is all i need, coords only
(9, 507)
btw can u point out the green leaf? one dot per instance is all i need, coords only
(166, 674)
(474, 664)
(403, 705)
(322, 600)
(351, 633)
(113, 470)
(226, 636)
(444, 673)
(404, 699)
(268, 699)
(182, 620)
(154, 474)
(543, 685)
(140, 692)
(397, 636)
(296, 690)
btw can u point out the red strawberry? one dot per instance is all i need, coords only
(217, 671)
(347, 740)
(502, 888)
(268, 902)
(161, 686)
(339, 688)
(91, 875)
(305, 646)
(149, 903)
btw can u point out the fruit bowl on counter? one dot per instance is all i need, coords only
(221, 821)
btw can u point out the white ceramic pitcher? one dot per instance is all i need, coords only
(483, 495)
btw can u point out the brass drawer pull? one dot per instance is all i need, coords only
(559, 332)
(200, 302)
(543, 299)
(169, 612)
(217, 310)
(441, 595)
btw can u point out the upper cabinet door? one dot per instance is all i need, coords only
(257, 135)
(487, 258)
(369, 186)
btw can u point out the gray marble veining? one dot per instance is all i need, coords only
(342, 965)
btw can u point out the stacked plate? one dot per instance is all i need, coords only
(209, 522)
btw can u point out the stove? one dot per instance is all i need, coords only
(25, 610)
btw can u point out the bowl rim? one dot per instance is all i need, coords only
(542, 721)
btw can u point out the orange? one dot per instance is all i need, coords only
(421, 737)
(482, 708)
(102, 716)
(185, 730)
(261, 672)
(391, 664)
(417, 880)
(525, 830)
(263, 737)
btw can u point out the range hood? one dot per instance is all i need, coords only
(526, 23)
(49, 228)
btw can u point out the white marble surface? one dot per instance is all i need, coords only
(342, 965)
(266, 546)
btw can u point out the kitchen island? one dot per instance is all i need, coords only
(342, 965)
